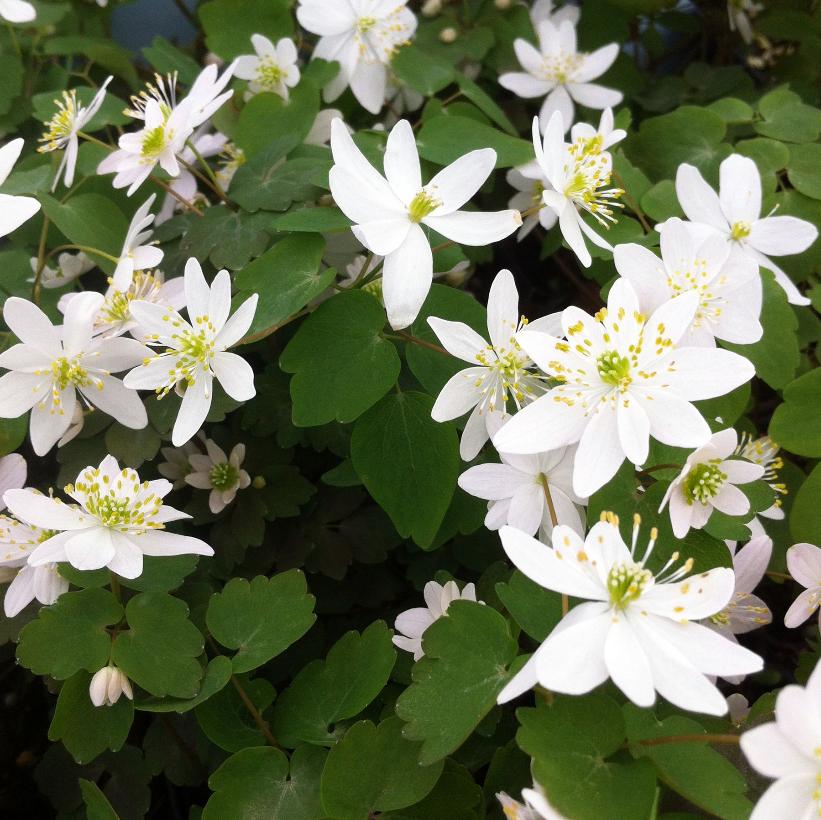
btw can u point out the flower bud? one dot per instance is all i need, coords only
(107, 685)
(259, 482)
(448, 35)
(502, 5)
(431, 8)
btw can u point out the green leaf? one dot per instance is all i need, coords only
(408, 463)
(769, 155)
(456, 684)
(786, 118)
(166, 58)
(661, 201)
(230, 239)
(341, 363)
(162, 573)
(12, 433)
(456, 796)
(444, 139)
(105, 52)
(423, 71)
(260, 618)
(313, 220)
(132, 448)
(229, 24)
(325, 692)
(217, 674)
(268, 120)
(732, 110)
(375, 769)
(96, 803)
(535, 609)
(796, 424)
(70, 635)
(804, 170)
(159, 650)
(805, 516)
(484, 102)
(11, 80)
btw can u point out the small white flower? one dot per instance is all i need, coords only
(221, 474)
(707, 482)
(17, 11)
(13, 472)
(137, 253)
(53, 363)
(764, 451)
(411, 624)
(272, 69)
(107, 685)
(63, 127)
(177, 464)
(544, 10)
(70, 266)
(787, 750)
(320, 133)
(804, 564)
(119, 520)
(195, 352)
(740, 13)
(559, 72)
(530, 182)
(14, 210)
(635, 627)
(535, 806)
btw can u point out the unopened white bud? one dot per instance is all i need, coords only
(502, 5)
(430, 8)
(448, 35)
(107, 685)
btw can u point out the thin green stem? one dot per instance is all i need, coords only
(214, 182)
(694, 738)
(260, 721)
(421, 342)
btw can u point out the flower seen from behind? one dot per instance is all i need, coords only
(107, 685)
(137, 253)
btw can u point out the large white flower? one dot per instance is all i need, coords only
(362, 36)
(735, 215)
(389, 213)
(52, 363)
(14, 210)
(562, 74)
(137, 253)
(195, 351)
(787, 750)
(221, 474)
(17, 11)
(623, 378)
(119, 520)
(634, 627)
(272, 68)
(804, 564)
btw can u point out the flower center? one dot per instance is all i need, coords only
(422, 205)
(223, 476)
(588, 178)
(117, 306)
(61, 124)
(626, 582)
(703, 482)
(123, 506)
(561, 68)
(67, 371)
(740, 230)
(269, 74)
(154, 142)
(614, 369)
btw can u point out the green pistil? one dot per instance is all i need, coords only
(195, 344)
(154, 142)
(269, 74)
(626, 582)
(614, 369)
(422, 205)
(703, 482)
(46, 534)
(223, 476)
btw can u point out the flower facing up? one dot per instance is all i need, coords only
(221, 474)
(535, 806)
(14, 210)
(119, 520)
(362, 36)
(13, 472)
(63, 127)
(389, 212)
(804, 564)
(411, 624)
(195, 351)
(51, 364)
(622, 379)
(17, 11)
(635, 627)
(787, 750)
(137, 253)
(70, 266)
(559, 72)
(708, 482)
(177, 464)
(273, 68)
(735, 215)
(107, 685)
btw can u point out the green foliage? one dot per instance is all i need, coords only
(796, 424)
(805, 516)
(444, 139)
(229, 24)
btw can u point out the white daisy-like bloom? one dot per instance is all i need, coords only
(272, 68)
(787, 750)
(543, 10)
(14, 210)
(196, 351)
(107, 685)
(560, 73)
(137, 253)
(13, 472)
(411, 624)
(734, 214)
(362, 36)
(220, 473)
(69, 119)
(535, 807)
(764, 451)
(117, 520)
(622, 378)
(707, 482)
(635, 627)
(70, 266)
(740, 14)
(17, 11)
(52, 364)
(804, 564)
(177, 464)
(390, 211)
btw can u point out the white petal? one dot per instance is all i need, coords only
(19, 392)
(593, 95)
(455, 184)
(32, 326)
(235, 375)
(14, 211)
(772, 754)
(731, 501)
(493, 481)
(782, 235)
(698, 200)
(325, 19)
(237, 325)
(600, 453)
(43, 511)
(462, 392)
(673, 421)
(197, 292)
(633, 429)
(705, 374)
(740, 189)
(402, 162)
(558, 101)
(503, 309)
(196, 402)
(475, 227)
(595, 64)
(627, 662)
(121, 403)
(527, 508)
(792, 796)
(406, 278)
(804, 564)
(524, 85)
(802, 607)
(475, 434)
(458, 339)
(162, 543)
(645, 272)
(127, 560)
(694, 598)
(20, 592)
(90, 549)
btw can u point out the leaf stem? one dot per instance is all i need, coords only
(214, 182)
(262, 724)
(421, 342)
(694, 738)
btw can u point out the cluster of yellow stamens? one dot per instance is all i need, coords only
(588, 172)
(61, 124)
(190, 352)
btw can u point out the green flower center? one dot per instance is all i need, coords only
(626, 582)
(614, 369)
(69, 371)
(45, 535)
(195, 346)
(422, 205)
(269, 74)
(703, 482)
(740, 230)
(154, 142)
(223, 476)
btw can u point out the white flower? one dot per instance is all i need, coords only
(14, 210)
(535, 806)
(107, 685)
(389, 213)
(559, 72)
(119, 520)
(320, 133)
(787, 750)
(70, 266)
(177, 463)
(63, 128)
(400, 99)
(272, 69)
(579, 174)
(739, 13)
(729, 289)
(708, 482)
(362, 36)
(13, 472)
(137, 253)
(412, 623)
(53, 363)
(636, 628)
(735, 215)
(544, 10)
(623, 378)
(804, 564)
(530, 182)
(196, 351)
(601, 138)
(764, 451)
(221, 474)
(17, 11)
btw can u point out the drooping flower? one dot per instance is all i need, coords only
(535, 806)
(543, 10)
(273, 68)
(389, 213)
(17, 11)
(362, 36)
(13, 472)
(137, 253)
(177, 464)
(221, 474)
(63, 127)
(411, 624)
(623, 378)
(735, 215)
(708, 482)
(195, 351)
(117, 520)
(14, 210)
(70, 266)
(636, 627)
(53, 363)
(562, 74)
(107, 685)
(787, 750)
(804, 564)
